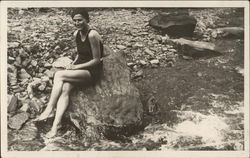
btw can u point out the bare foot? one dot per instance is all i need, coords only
(52, 133)
(45, 115)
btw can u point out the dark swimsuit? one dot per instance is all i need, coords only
(85, 54)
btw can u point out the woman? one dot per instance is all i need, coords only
(86, 68)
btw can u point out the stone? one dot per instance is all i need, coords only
(113, 103)
(47, 65)
(149, 52)
(36, 105)
(121, 47)
(154, 61)
(196, 48)
(174, 25)
(18, 120)
(12, 103)
(139, 73)
(33, 62)
(233, 32)
(130, 64)
(13, 44)
(61, 62)
(12, 74)
(23, 74)
(142, 62)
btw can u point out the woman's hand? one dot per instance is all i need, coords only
(70, 67)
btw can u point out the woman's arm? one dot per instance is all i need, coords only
(94, 39)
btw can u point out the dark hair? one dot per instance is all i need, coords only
(81, 11)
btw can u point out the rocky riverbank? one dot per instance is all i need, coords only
(188, 85)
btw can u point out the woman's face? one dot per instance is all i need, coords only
(80, 22)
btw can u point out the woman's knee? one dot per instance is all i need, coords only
(59, 75)
(67, 87)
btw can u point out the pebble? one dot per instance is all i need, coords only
(13, 44)
(143, 62)
(33, 62)
(154, 61)
(130, 64)
(23, 74)
(121, 47)
(149, 52)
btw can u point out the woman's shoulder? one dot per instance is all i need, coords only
(75, 33)
(94, 34)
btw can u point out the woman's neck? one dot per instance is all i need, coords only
(85, 30)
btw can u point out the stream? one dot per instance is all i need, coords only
(199, 106)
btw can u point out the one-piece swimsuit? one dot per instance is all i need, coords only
(85, 54)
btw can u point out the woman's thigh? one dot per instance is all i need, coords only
(74, 75)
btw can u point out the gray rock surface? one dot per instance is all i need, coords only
(18, 120)
(114, 101)
(174, 25)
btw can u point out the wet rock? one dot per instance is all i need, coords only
(138, 74)
(29, 132)
(196, 48)
(112, 104)
(23, 74)
(231, 32)
(34, 145)
(130, 64)
(12, 103)
(174, 25)
(61, 62)
(36, 105)
(18, 120)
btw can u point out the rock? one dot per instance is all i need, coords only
(130, 64)
(233, 32)
(34, 63)
(61, 62)
(174, 25)
(196, 48)
(13, 44)
(42, 86)
(154, 61)
(142, 62)
(114, 102)
(47, 65)
(26, 62)
(138, 74)
(23, 74)
(12, 103)
(121, 47)
(149, 52)
(36, 105)
(18, 120)
(12, 75)
(29, 132)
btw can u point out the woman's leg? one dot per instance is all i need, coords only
(55, 93)
(62, 105)
(68, 78)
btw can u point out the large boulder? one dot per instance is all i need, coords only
(196, 48)
(112, 105)
(174, 25)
